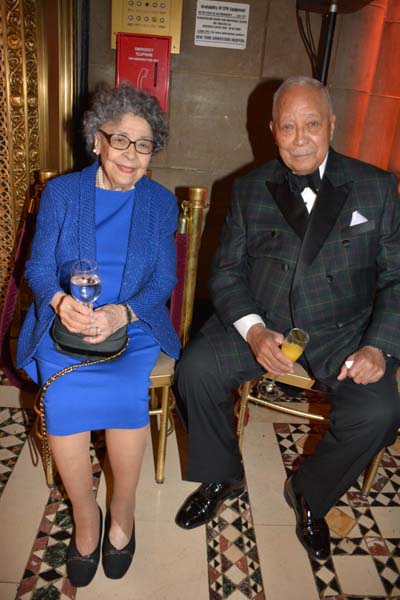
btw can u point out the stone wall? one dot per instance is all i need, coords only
(220, 99)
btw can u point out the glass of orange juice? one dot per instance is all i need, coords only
(292, 347)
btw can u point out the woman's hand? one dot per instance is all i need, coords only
(76, 317)
(96, 325)
(107, 320)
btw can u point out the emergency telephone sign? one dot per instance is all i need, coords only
(143, 60)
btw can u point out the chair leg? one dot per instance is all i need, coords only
(50, 480)
(47, 458)
(371, 472)
(243, 404)
(171, 417)
(153, 399)
(162, 438)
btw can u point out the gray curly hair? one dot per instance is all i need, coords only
(111, 103)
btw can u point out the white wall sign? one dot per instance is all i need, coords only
(221, 24)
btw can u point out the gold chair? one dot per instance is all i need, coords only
(300, 379)
(161, 402)
(161, 396)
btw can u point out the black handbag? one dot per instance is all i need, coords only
(74, 345)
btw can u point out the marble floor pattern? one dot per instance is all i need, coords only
(248, 551)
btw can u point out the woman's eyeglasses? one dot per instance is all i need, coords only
(118, 141)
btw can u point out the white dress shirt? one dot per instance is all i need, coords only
(243, 324)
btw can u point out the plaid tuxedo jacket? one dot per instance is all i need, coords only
(337, 280)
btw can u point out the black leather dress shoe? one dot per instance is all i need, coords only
(312, 533)
(82, 568)
(116, 562)
(202, 505)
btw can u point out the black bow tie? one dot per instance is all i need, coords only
(298, 183)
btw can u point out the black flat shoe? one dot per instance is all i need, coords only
(81, 569)
(202, 505)
(116, 562)
(312, 533)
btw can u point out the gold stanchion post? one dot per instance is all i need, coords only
(197, 205)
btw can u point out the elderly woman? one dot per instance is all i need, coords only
(112, 213)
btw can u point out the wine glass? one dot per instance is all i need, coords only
(85, 281)
(292, 347)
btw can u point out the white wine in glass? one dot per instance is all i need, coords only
(292, 347)
(85, 281)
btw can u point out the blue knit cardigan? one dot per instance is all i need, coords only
(65, 231)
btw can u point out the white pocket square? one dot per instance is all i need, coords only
(357, 218)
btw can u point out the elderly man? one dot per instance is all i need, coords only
(312, 240)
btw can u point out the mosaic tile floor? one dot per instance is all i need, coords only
(14, 427)
(360, 532)
(45, 574)
(365, 561)
(233, 562)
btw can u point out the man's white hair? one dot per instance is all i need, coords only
(301, 80)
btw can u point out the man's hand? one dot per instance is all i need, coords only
(368, 366)
(264, 344)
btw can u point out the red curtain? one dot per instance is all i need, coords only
(365, 85)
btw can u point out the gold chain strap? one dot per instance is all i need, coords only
(46, 452)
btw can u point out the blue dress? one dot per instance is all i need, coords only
(112, 395)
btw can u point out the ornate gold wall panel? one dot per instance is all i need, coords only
(36, 56)
(7, 224)
(19, 122)
(56, 82)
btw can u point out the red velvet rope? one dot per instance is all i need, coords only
(175, 312)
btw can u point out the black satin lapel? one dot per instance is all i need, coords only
(326, 210)
(292, 208)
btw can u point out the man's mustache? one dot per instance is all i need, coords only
(301, 152)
